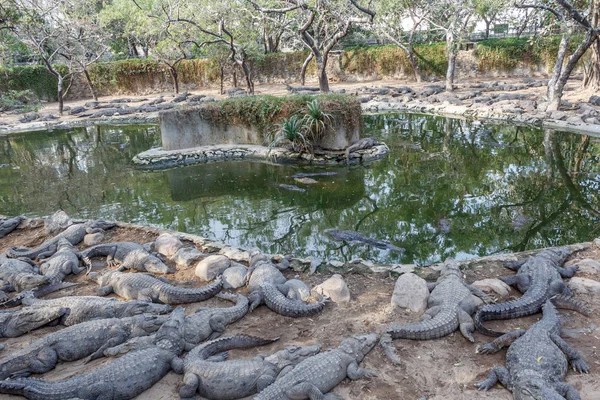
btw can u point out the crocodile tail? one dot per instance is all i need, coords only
(185, 295)
(13, 386)
(570, 303)
(388, 348)
(478, 319)
(442, 324)
(208, 349)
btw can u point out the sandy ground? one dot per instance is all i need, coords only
(439, 369)
(573, 93)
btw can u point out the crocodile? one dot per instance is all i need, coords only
(235, 379)
(144, 287)
(539, 278)
(20, 322)
(88, 339)
(8, 225)
(362, 144)
(62, 263)
(321, 373)
(123, 378)
(128, 255)
(275, 297)
(537, 361)
(450, 307)
(206, 323)
(86, 308)
(352, 236)
(74, 234)
(17, 275)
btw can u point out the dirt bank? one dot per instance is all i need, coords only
(439, 369)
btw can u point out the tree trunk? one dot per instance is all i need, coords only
(90, 84)
(554, 92)
(304, 68)
(175, 78)
(322, 73)
(487, 28)
(60, 94)
(591, 75)
(222, 77)
(451, 54)
(414, 64)
(248, 76)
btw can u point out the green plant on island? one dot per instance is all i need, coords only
(315, 120)
(21, 101)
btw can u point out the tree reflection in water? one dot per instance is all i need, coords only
(448, 188)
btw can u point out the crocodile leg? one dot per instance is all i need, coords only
(263, 381)
(522, 281)
(497, 374)
(567, 272)
(46, 360)
(559, 287)
(569, 303)
(431, 286)
(567, 391)
(255, 299)
(119, 337)
(104, 290)
(354, 372)
(191, 382)
(430, 313)
(514, 265)
(503, 341)
(481, 294)
(218, 325)
(146, 295)
(308, 390)
(572, 355)
(75, 269)
(466, 324)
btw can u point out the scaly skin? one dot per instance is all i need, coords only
(145, 287)
(321, 373)
(18, 275)
(74, 234)
(450, 306)
(235, 379)
(536, 361)
(64, 262)
(19, 322)
(129, 255)
(86, 308)
(539, 278)
(275, 297)
(352, 236)
(124, 378)
(76, 342)
(9, 225)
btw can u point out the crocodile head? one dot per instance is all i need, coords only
(450, 267)
(532, 386)
(63, 245)
(129, 308)
(292, 355)
(145, 324)
(155, 265)
(101, 278)
(170, 334)
(359, 345)
(556, 256)
(28, 319)
(101, 224)
(30, 281)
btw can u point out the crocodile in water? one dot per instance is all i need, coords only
(352, 236)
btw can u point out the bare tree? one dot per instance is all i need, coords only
(591, 76)
(320, 25)
(567, 16)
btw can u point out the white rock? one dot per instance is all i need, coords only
(211, 267)
(57, 222)
(411, 292)
(187, 256)
(92, 239)
(234, 277)
(335, 288)
(299, 290)
(265, 273)
(167, 245)
(493, 285)
(336, 264)
(584, 286)
(235, 254)
(588, 266)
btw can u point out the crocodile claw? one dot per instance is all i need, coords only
(487, 348)
(580, 366)
(484, 385)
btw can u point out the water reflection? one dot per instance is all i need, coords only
(448, 188)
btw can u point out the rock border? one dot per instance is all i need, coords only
(158, 158)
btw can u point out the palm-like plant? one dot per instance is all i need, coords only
(291, 130)
(315, 120)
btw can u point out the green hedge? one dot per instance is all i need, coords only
(35, 78)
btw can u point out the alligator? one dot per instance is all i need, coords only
(311, 174)
(18, 275)
(450, 307)
(539, 278)
(352, 236)
(88, 339)
(276, 298)
(365, 143)
(86, 308)
(62, 263)
(235, 379)
(123, 378)
(8, 225)
(129, 255)
(19, 322)
(205, 324)
(145, 287)
(537, 361)
(74, 234)
(293, 188)
(321, 373)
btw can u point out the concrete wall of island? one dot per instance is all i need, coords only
(251, 120)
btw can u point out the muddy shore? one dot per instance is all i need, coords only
(438, 369)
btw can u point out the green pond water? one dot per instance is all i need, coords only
(448, 188)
